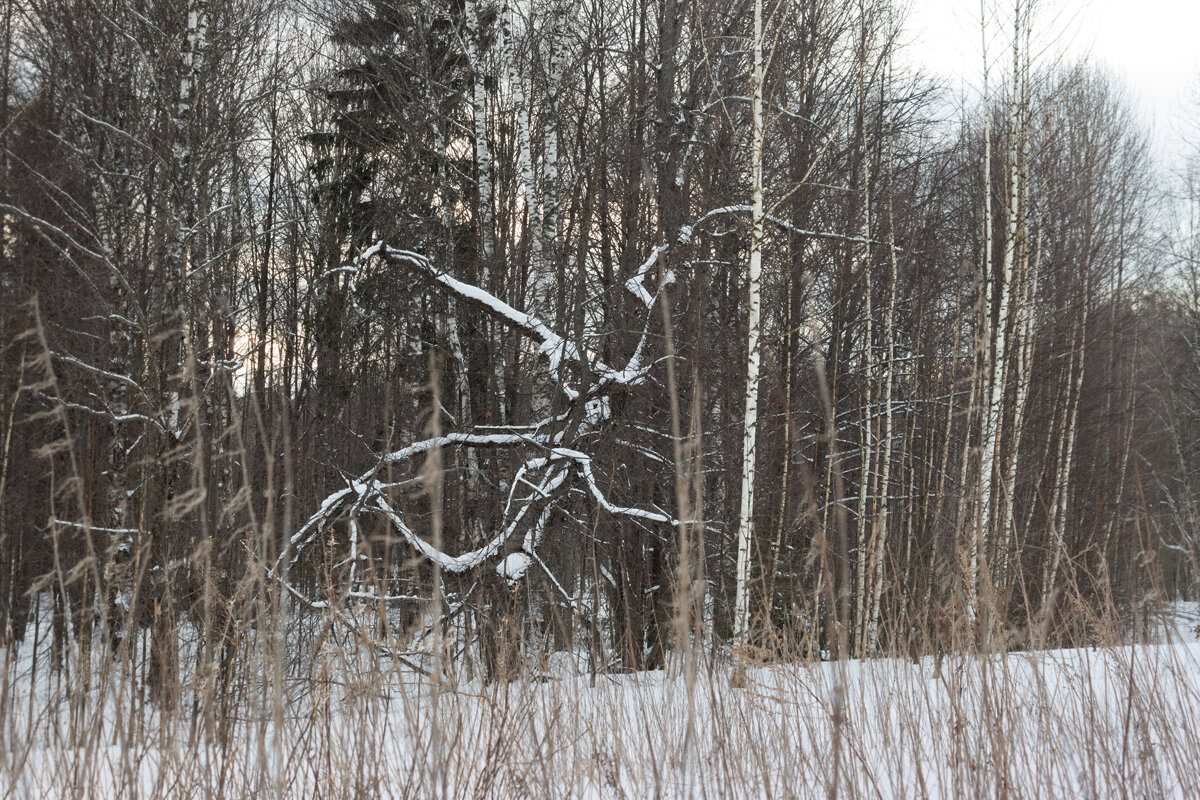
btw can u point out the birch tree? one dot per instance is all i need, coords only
(753, 342)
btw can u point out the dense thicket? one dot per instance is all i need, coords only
(425, 321)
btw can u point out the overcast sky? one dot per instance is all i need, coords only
(1154, 45)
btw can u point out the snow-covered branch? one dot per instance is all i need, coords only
(537, 484)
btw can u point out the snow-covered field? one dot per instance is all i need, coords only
(1114, 722)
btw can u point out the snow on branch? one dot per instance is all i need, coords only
(555, 347)
(790, 228)
(103, 373)
(540, 481)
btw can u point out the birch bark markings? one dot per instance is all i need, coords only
(453, 339)
(525, 160)
(974, 529)
(750, 423)
(1024, 318)
(551, 227)
(484, 164)
(992, 373)
(867, 442)
(177, 372)
(195, 36)
(528, 189)
(483, 153)
(1024, 355)
(181, 211)
(880, 523)
(993, 421)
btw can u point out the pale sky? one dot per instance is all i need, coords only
(1154, 45)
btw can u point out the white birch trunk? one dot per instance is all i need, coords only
(866, 445)
(550, 225)
(195, 36)
(483, 153)
(483, 167)
(741, 625)
(984, 333)
(1024, 351)
(452, 336)
(525, 161)
(880, 529)
(867, 449)
(994, 412)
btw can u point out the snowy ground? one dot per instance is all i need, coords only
(1097, 723)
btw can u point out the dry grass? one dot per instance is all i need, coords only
(1118, 721)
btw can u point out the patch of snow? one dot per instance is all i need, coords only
(514, 566)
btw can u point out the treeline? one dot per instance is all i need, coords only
(429, 320)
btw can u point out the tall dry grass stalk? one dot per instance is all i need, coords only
(1112, 721)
